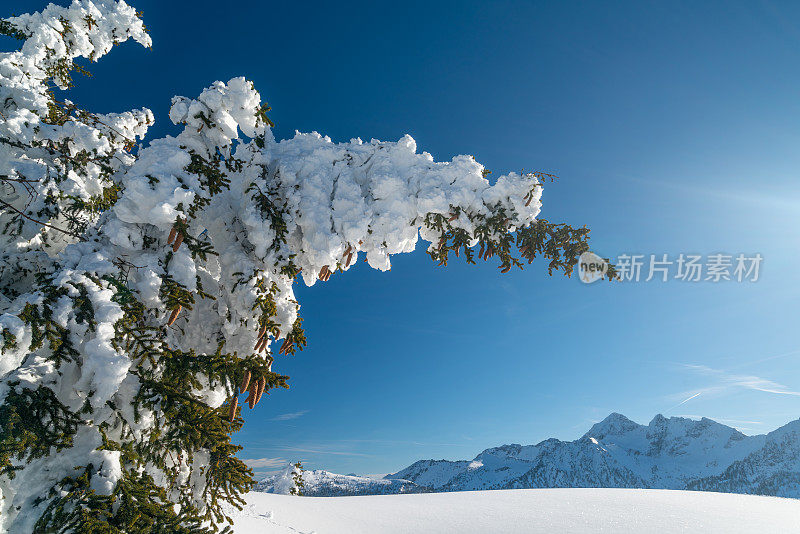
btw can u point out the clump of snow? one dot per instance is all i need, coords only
(57, 36)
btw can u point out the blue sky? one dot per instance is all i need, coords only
(673, 128)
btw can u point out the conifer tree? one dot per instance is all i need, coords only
(297, 480)
(145, 291)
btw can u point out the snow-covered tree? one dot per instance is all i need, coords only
(143, 290)
(288, 481)
(297, 480)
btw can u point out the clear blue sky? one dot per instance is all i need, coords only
(674, 127)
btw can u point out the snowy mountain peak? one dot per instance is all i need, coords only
(792, 427)
(669, 452)
(504, 451)
(613, 425)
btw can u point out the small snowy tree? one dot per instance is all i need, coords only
(143, 290)
(288, 481)
(297, 479)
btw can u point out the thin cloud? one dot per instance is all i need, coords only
(761, 199)
(265, 463)
(722, 420)
(402, 442)
(289, 416)
(739, 422)
(726, 382)
(769, 358)
(322, 451)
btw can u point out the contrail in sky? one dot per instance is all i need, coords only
(690, 398)
(685, 400)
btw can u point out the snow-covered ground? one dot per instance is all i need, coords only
(529, 511)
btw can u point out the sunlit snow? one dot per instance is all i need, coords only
(619, 511)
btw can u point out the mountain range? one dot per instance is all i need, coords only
(668, 453)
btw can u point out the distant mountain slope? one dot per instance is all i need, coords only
(668, 453)
(674, 453)
(774, 469)
(321, 483)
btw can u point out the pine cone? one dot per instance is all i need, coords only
(245, 381)
(262, 385)
(178, 241)
(232, 412)
(174, 315)
(251, 397)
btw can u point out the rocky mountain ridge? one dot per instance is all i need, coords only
(668, 453)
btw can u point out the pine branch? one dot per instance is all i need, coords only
(9, 206)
